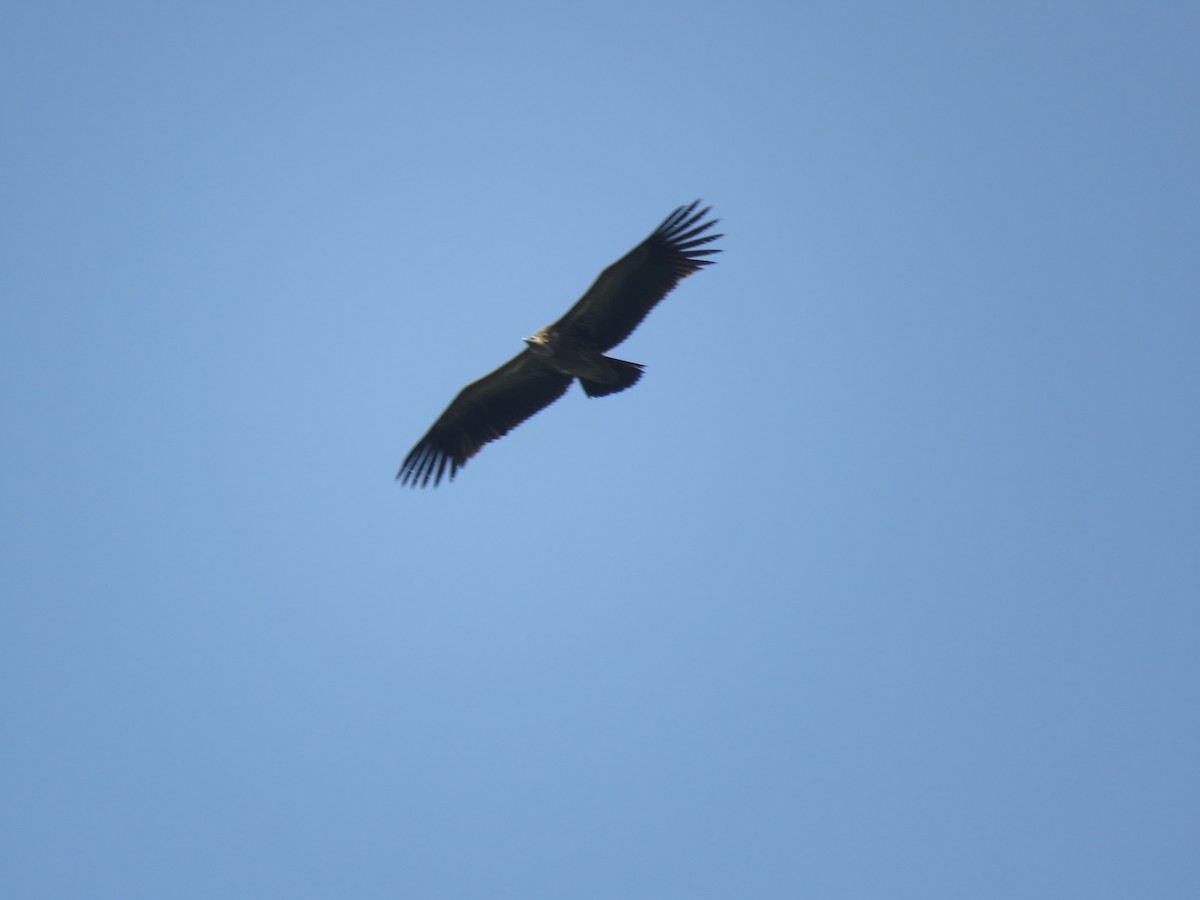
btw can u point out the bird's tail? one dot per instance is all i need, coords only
(623, 374)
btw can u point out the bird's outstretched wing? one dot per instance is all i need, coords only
(627, 290)
(483, 411)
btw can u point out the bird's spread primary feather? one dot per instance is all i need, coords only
(573, 347)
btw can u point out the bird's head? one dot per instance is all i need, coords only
(539, 342)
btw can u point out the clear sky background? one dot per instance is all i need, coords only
(883, 582)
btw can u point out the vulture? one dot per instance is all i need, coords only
(571, 348)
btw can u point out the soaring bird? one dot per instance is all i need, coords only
(572, 347)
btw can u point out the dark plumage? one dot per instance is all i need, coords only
(572, 347)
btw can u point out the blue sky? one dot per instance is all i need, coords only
(883, 581)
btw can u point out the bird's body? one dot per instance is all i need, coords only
(573, 347)
(597, 373)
